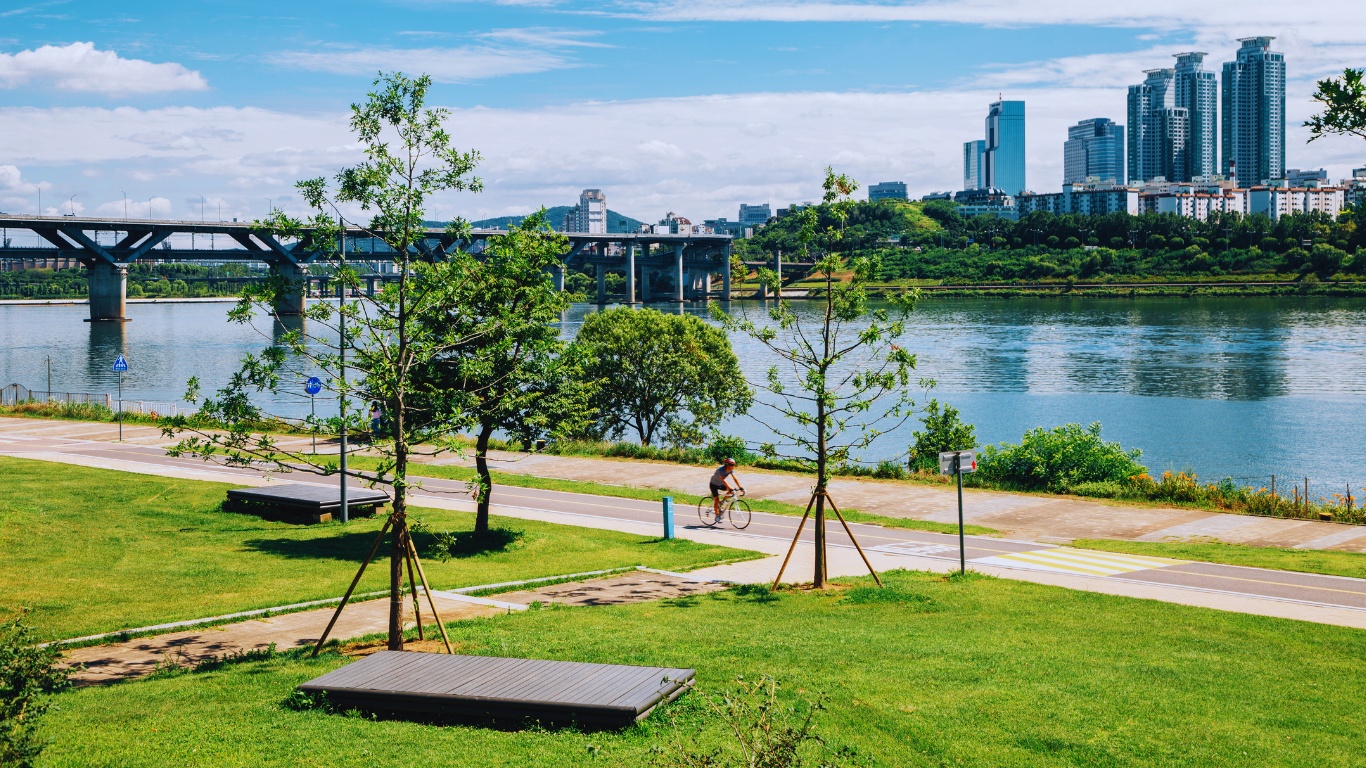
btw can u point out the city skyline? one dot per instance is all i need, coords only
(99, 104)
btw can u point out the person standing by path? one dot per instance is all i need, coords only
(720, 483)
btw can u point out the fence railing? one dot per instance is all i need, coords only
(16, 394)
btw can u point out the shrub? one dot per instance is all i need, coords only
(944, 431)
(1058, 460)
(27, 672)
(724, 447)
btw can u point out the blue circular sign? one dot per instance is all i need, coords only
(313, 386)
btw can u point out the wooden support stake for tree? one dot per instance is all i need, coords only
(851, 538)
(790, 549)
(412, 584)
(337, 614)
(431, 601)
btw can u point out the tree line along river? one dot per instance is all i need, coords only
(1227, 387)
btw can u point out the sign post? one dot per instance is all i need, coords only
(313, 386)
(956, 463)
(668, 517)
(120, 366)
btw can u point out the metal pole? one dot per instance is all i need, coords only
(668, 517)
(49, 379)
(341, 348)
(120, 406)
(313, 412)
(962, 546)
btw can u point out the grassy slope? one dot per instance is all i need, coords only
(92, 550)
(1334, 563)
(978, 672)
(686, 501)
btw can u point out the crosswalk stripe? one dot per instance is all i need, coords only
(1071, 560)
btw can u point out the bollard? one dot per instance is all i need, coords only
(668, 517)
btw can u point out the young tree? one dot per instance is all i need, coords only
(842, 380)
(27, 673)
(385, 340)
(944, 431)
(1344, 107)
(509, 372)
(658, 374)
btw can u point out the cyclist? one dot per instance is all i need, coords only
(720, 484)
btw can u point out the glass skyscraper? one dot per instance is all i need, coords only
(1094, 149)
(974, 164)
(1253, 130)
(1005, 147)
(1196, 91)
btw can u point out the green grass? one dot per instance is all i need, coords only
(686, 500)
(930, 672)
(1333, 563)
(92, 550)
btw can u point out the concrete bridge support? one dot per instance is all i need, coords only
(108, 288)
(678, 272)
(558, 271)
(725, 278)
(291, 300)
(630, 275)
(602, 283)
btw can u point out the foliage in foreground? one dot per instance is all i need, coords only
(27, 674)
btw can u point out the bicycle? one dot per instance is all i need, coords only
(733, 507)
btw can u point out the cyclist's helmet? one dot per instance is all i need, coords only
(730, 462)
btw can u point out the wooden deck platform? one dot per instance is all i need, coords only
(500, 691)
(316, 503)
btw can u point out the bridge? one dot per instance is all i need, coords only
(106, 247)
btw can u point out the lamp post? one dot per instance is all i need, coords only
(72, 203)
(125, 205)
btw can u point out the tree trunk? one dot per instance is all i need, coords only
(481, 465)
(396, 560)
(818, 580)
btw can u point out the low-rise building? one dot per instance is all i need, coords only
(755, 215)
(887, 190)
(1084, 199)
(986, 202)
(1275, 202)
(673, 224)
(723, 226)
(1196, 200)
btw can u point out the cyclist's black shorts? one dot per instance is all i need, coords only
(717, 490)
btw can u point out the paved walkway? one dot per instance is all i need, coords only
(135, 658)
(1038, 518)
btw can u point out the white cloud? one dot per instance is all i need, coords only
(10, 178)
(547, 37)
(80, 67)
(445, 65)
(154, 208)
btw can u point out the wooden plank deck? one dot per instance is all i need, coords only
(316, 502)
(500, 691)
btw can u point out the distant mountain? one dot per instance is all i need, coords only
(616, 222)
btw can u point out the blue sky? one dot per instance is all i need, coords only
(689, 106)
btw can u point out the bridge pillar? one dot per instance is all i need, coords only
(558, 269)
(778, 268)
(630, 274)
(291, 299)
(108, 285)
(645, 284)
(369, 286)
(725, 274)
(602, 282)
(678, 272)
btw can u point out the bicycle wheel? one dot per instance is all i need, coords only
(739, 513)
(705, 513)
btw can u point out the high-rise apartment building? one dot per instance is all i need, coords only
(1005, 147)
(1253, 129)
(887, 190)
(754, 215)
(1159, 131)
(1094, 149)
(590, 215)
(1196, 90)
(974, 164)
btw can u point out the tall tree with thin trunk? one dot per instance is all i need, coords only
(841, 379)
(390, 337)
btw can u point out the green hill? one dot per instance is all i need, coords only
(616, 222)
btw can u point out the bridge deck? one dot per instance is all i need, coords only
(500, 691)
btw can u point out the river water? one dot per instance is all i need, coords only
(1227, 387)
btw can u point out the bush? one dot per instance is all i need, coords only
(1058, 460)
(724, 447)
(944, 431)
(27, 672)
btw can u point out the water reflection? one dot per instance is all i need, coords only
(107, 342)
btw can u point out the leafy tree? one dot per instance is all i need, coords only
(1344, 107)
(27, 673)
(1058, 460)
(944, 431)
(660, 375)
(508, 372)
(389, 338)
(842, 380)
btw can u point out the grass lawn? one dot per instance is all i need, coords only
(92, 550)
(931, 671)
(685, 500)
(1333, 563)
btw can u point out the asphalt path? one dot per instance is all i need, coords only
(605, 511)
